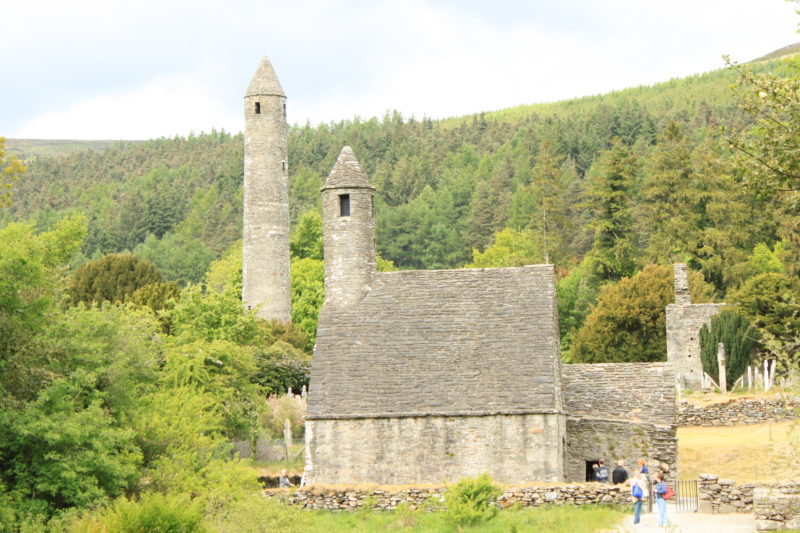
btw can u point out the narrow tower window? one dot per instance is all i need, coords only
(258, 108)
(284, 110)
(344, 205)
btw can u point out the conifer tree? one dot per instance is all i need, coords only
(738, 336)
(666, 211)
(613, 253)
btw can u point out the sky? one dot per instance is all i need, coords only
(120, 69)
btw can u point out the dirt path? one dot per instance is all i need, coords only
(686, 522)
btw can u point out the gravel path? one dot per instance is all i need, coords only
(686, 522)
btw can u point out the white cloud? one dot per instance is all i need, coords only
(165, 106)
(187, 63)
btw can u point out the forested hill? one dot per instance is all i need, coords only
(445, 188)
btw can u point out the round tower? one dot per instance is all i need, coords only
(348, 226)
(265, 244)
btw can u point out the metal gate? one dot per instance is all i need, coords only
(686, 495)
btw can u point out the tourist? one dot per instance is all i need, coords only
(661, 503)
(619, 475)
(283, 480)
(601, 473)
(639, 493)
(643, 466)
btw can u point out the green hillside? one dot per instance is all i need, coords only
(27, 149)
(445, 188)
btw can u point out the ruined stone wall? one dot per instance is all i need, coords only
(777, 506)
(432, 499)
(639, 392)
(436, 449)
(592, 439)
(683, 340)
(738, 411)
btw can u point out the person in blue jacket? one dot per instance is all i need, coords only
(661, 503)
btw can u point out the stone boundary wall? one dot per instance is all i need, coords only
(724, 495)
(433, 498)
(738, 411)
(777, 506)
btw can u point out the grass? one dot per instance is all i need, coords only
(268, 515)
(709, 398)
(759, 452)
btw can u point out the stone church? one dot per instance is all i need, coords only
(428, 376)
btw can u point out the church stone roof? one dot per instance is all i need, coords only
(265, 82)
(441, 342)
(347, 173)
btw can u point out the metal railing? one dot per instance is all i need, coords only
(686, 495)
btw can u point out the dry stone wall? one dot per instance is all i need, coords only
(433, 498)
(739, 411)
(777, 506)
(724, 495)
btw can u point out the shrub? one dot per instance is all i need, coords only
(282, 408)
(469, 502)
(153, 512)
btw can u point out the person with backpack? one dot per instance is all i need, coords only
(639, 493)
(601, 474)
(661, 490)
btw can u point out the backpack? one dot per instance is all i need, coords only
(636, 491)
(669, 494)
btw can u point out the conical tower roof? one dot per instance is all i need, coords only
(347, 173)
(265, 82)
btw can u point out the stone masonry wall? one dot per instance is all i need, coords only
(724, 495)
(620, 411)
(639, 392)
(683, 340)
(777, 506)
(591, 440)
(436, 449)
(737, 411)
(433, 498)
